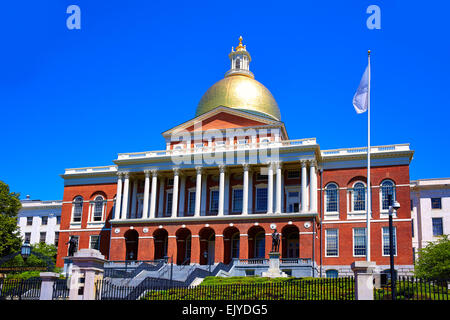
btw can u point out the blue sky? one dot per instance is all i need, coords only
(76, 98)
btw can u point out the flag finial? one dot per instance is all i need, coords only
(368, 52)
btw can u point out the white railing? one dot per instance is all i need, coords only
(376, 149)
(210, 149)
(91, 170)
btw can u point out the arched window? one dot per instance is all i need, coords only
(387, 189)
(235, 245)
(331, 197)
(238, 63)
(97, 214)
(359, 197)
(77, 209)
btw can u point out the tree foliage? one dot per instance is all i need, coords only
(10, 238)
(434, 260)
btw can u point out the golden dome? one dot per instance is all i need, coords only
(239, 90)
(242, 93)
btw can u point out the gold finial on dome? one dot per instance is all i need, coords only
(240, 47)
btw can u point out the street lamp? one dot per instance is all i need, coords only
(25, 251)
(392, 209)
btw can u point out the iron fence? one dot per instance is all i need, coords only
(292, 289)
(410, 288)
(20, 289)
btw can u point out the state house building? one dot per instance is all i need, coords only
(229, 176)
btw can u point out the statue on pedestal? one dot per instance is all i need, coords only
(72, 246)
(275, 241)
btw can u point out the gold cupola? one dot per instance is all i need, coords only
(239, 89)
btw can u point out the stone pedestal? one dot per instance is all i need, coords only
(274, 267)
(87, 268)
(48, 279)
(363, 271)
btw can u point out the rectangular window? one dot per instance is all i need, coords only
(386, 250)
(42, 236)
(29, 221)
(214, 201)
(191, 202)
(27, 237)
(94, 242)
(261, 199)
(44, 221)
(169, 204)
(436, 203)
(438, 229)
(359, 241)
(238, 195)
(56, 238)
(331, 242)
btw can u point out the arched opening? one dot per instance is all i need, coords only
(231, 237)
(290, 242)
(160, 237)
(256, 242)
(131, 244)
(207, 245)
(184, 237)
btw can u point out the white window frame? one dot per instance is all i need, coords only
(90, 241)
(384, 213)
(383, 242)
(354, 243)
(326, 242)
(331, 215)
(167, 213)
(236, 187)
(211, 190)
(92, 209)
(189, 201)
(72, 216)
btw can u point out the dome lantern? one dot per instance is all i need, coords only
(240, 61)
(239, 89)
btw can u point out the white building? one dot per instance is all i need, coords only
(39, 221)
(430, 211)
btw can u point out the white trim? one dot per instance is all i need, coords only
(362, 221)
(395, 241)
(337, 231)
(353, 241)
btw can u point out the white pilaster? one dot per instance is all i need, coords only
(222, 169)
(303, 188)
(312, 187)
(176, 177)
(146, 194)
(198, 191)
(118, 196)
(161, 197)
(182, 195)
(270, 188)
(125, 196)
(245, 189)
(278, 193)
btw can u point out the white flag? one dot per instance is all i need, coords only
(360, 99)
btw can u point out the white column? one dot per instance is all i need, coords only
(153, 194)
(118, 196)
(198, 191)
(278, 199)
(146, 194)
(222, 169)
(312, 187)
(245, 189)
(303, 187)
(250, 191)
(133, 199)
(176, 177)
(270, 188)
(125, 196)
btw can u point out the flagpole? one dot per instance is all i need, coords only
(369, 202)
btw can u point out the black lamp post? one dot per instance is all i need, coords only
(392, 208)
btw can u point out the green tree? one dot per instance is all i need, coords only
(434, 260)
(10, 239)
